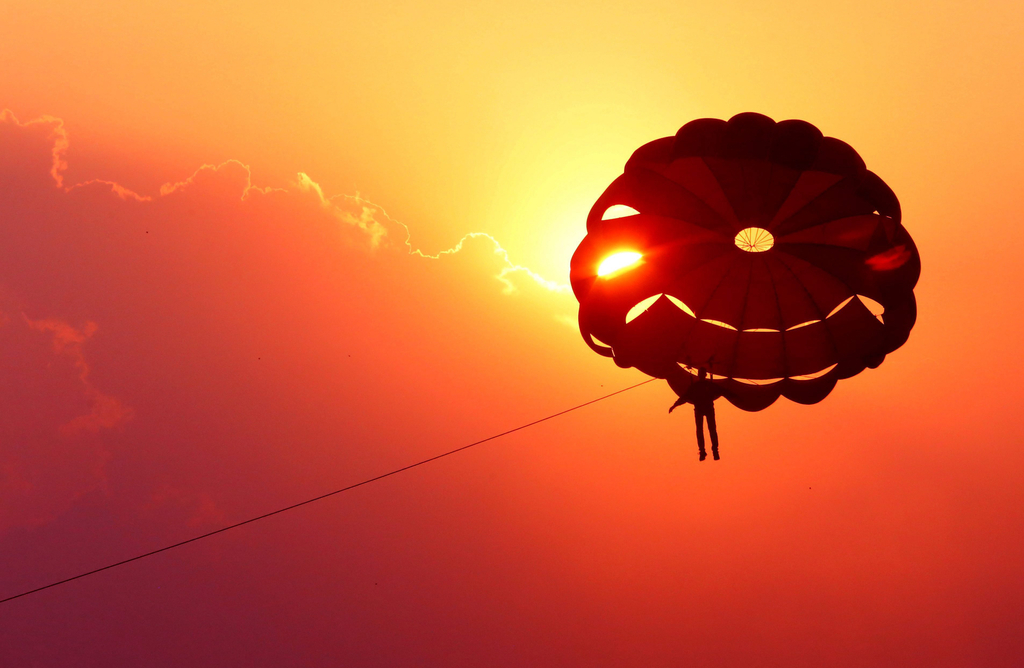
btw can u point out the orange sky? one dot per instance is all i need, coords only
(173, 362)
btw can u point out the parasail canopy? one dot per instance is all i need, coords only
(763, 252)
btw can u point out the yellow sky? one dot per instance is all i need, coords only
(503, 117)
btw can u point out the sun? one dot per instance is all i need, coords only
(617, 262)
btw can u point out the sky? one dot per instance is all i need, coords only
(254, 252)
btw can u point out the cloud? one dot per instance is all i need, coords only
(195, 510)
(52, 450)
(192, 329)
(46, 139)
(40, 146)
(373, 220)
(510, 272)
(105, 412)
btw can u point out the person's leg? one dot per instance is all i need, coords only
(699, 419)
(713, 431)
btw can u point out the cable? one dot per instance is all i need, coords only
(318, 498)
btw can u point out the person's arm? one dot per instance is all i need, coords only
(679, 402)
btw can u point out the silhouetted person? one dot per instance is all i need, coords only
(702, 394)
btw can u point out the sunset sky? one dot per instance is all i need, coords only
(253, 252)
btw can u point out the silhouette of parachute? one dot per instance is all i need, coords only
(762, 251)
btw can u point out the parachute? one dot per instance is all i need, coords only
(763, 252)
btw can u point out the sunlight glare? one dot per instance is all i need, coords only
(617, 262)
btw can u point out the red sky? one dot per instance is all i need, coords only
(223, 289)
